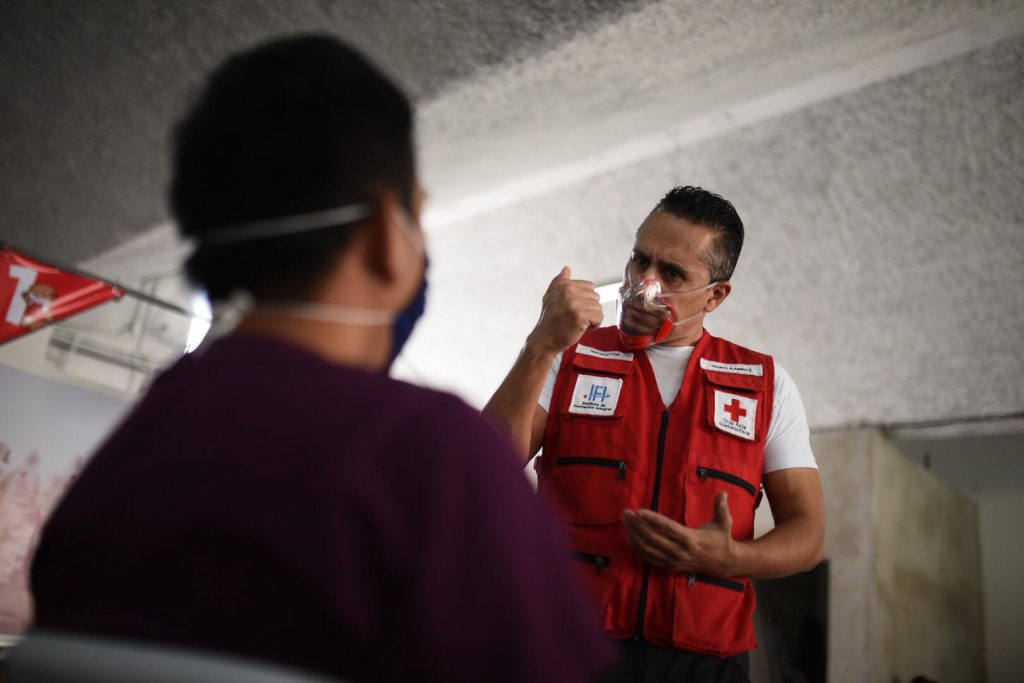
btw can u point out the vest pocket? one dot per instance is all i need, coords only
(597, 577)
(620, 465)
(712, 474)
(715, 581)
(589, 490)
(712, 614)
(600, 558)
(599, 562)
(705, 473)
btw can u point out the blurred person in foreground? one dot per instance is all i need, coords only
(658, 438)
(274, 494)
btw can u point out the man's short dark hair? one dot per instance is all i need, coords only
(710, 210)
(292, 126)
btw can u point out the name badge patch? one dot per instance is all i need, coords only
(595, 395)
(598, 353)
(735, 414)
(756, 370)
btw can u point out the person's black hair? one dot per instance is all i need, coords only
(292, 126)
(710, 210)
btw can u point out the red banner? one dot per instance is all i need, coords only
(33, 294)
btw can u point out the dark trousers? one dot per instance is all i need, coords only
(642, 662)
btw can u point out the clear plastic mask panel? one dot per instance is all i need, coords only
(645, 295)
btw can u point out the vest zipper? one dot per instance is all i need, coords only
(600, 462)
(705, 472)
(714, 580)
(599, 561)
(638, 632)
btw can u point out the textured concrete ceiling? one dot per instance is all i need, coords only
(874, 148)
(664, 63)
(88, 90)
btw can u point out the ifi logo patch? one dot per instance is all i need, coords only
(595, 395)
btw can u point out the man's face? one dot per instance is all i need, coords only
(669, 249)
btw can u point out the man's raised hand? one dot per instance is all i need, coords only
(570, 308)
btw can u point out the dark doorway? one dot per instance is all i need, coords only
(792, 621)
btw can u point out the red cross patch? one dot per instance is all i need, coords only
(735, 414)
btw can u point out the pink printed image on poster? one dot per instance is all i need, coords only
(47, 431)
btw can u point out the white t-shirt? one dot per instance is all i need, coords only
(788, 443)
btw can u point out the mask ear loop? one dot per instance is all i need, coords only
(415, 235)
(286, 225)
(703, 288)
(664, 330)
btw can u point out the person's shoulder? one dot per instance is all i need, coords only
(310, 389)
(428, 404)
(782, 375)
(441, 438)
(785, 385)
(604, 342)
(442, 415)
(782, 381)
(406, 412)
(738, 349)
(245, 359)
(602, 336)
(331, 399)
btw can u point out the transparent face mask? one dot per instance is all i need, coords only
(646, 296)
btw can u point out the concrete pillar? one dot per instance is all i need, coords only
(905, 558)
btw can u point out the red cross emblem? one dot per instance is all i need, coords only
(735, 410)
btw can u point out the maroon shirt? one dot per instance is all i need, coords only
(262, 501)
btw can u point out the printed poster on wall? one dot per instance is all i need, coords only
(48, 429)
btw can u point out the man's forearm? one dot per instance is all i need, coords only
(571, 307)
(794, 545)
(514, 403)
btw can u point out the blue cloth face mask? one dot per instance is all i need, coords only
(407, 318)
(229, 314)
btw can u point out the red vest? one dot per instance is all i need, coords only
(610, 444)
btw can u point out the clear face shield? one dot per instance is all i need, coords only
(647, 315)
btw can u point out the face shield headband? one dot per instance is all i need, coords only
(646, 296)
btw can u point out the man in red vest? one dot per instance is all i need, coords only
(659, 439)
